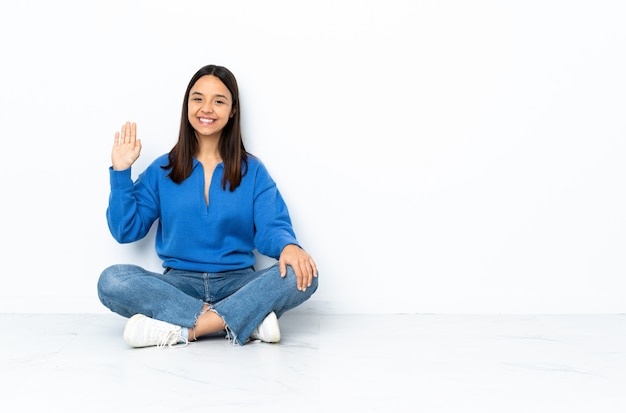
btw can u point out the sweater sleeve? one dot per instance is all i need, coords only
(133, 207)
(273, 228)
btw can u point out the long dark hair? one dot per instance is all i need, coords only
(231, 147)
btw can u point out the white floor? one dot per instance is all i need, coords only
(358, 363)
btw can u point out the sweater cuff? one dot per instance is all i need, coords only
(120, 179)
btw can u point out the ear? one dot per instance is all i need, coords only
(232, 112)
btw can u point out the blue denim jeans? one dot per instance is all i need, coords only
(243, 298)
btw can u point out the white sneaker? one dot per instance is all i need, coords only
(268, 330)
(143, 331)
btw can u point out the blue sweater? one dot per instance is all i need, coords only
(191, 235)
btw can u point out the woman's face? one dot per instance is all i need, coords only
(210, 106)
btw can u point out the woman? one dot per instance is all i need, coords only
(214, 204)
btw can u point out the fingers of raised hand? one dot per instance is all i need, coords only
(128, 134)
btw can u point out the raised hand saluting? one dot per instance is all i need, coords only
(126, 147)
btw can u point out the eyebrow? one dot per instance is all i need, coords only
(218, 95)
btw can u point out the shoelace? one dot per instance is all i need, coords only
(167, 337)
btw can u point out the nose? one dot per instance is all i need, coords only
(207, 107)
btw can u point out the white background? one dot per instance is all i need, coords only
(436, 156)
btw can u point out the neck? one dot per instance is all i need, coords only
(208, 149)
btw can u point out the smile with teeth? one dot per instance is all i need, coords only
(206, 120)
